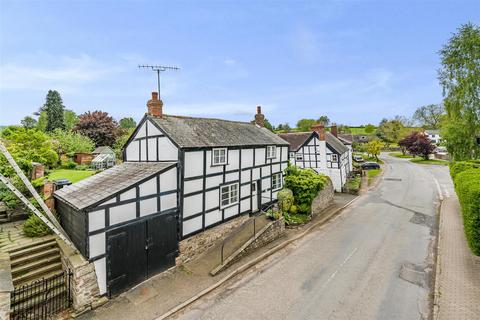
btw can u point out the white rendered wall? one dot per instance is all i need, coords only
(101, 273)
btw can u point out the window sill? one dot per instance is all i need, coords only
(230, 205)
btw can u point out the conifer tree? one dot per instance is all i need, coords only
(55, 111)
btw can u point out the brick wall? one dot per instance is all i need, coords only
(191, 248)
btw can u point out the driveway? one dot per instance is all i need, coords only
(374, 261)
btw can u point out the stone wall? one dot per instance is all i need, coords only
(6, 285)
(323, 199)
(85, 291)
(192, 247)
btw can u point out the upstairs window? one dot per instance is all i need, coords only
(228, 195)
(299, 157)
(219, 156)
(276, 181)
(271, 152)
(334, 158)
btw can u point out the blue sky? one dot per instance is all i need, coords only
(355, 61)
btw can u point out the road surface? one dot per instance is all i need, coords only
(374, 261)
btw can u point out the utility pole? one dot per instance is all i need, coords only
(158, 69)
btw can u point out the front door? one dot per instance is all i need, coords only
(256, 195)
(139, 250)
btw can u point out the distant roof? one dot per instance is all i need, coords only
(101, 186)
(433, 131)
(103, 149)
(298, 139)
(344, 140)
(189, 132)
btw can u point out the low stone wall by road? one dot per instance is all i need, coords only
(191, 248)
(323, 199)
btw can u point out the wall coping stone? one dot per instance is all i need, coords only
(6, 281)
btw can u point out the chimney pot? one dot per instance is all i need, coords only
(320, 129)
(155, 106)
(334, 130)
(259, 117)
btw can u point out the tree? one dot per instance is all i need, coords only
(374, 148)
(344, 129)
(54, 108)
(98, 126)
(305, 124)
(70, 119)
(29, 122)
(121, 140)
(69, 143)
(391, 131)
(283, 128)
(429, 116)
(127, 123)
(324, 119)
(370, 128)
(408, 141)
(42, 121)
(422, 146)
(459, 76)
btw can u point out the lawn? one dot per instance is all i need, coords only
(72, 175)
(430, 161)
(372, 174)
(400, 155)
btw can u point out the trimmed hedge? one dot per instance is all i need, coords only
(467, 187)
(305, 184)
(460, 166)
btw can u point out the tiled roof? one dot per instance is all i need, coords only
(297, 139)
(101, 186)
(189, 132)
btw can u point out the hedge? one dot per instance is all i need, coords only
(305, 184)
(460, 166)
(467, 186)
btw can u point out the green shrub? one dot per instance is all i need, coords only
(285, 199)
(68, 165)
(293, 209)
(82, 167)
(460, 166)
(305, 184)
(34, 227)
(467, 186)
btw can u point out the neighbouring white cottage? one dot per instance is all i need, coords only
(321, 151)
(181, 176)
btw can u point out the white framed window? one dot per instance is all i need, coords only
(271, 152)
(334, 158)
(219, 156)
(228, 195)
(299, 157)
(276, 181)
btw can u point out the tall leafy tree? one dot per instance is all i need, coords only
(305, 124)
(54, 108)
(325, 120)
(374, 148)
(127, 123)
(70, 119)
(67, 142)
(29, 122)
(370, 128)
(98, 126)
(42, 121)
(459, 76)
(429, 116)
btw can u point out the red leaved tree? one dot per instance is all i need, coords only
(417, 144)
(98, 126)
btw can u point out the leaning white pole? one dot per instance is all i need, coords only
(59, 233)
(30, 188)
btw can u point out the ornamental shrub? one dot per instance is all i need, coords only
(34, 227)
(285, 199)
(305, 184)
(467, 186)
(293, 209)
(460, 166)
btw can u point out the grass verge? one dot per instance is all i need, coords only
(372, 174)
(400, 155)
(430, 161)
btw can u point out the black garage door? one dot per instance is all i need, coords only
(139, 250)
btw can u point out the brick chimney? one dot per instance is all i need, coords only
(155, 106)
(320, 129)
(259, 117)
(334, 130)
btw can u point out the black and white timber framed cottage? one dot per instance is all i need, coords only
(181, 176)
(321, 151)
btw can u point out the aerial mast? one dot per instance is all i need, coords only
(158, 70)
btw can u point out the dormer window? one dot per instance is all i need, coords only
(219, 156)
(271, 152)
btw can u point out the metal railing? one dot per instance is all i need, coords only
(43, 298)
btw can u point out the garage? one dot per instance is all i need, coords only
(125, 221)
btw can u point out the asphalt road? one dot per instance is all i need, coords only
(374, 261)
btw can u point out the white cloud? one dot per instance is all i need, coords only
(66, 72)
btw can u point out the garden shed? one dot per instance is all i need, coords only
(124, 220)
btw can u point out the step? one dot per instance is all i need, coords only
(38, 255)
(37, 273)
(4, 220)
(28, 249)
(19, 284)
(29, 244)
(23, 294)
(34, 264)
